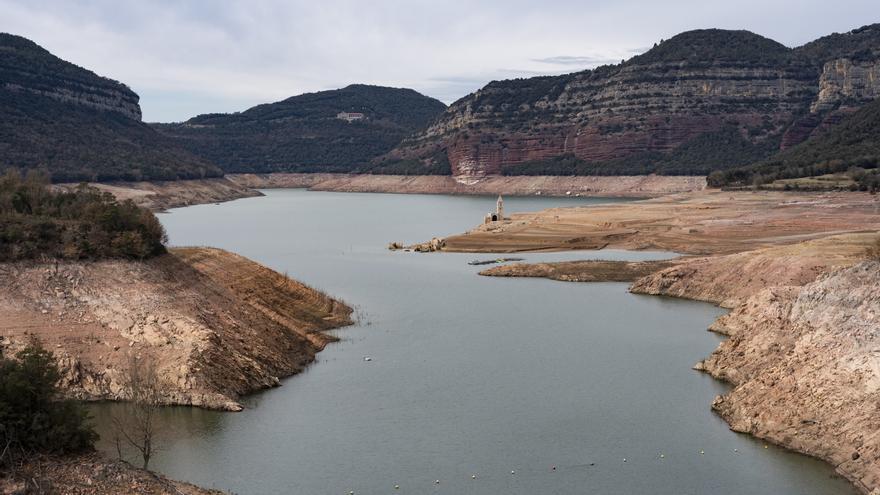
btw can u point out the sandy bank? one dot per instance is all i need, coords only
(161, 195)
(218, 325)
(620, 186)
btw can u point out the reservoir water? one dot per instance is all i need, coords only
(497, 378)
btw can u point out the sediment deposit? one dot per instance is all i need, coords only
(581, 271)
(216, 325)
(709, 222)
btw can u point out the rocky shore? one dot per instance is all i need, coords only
(804, 330)
(217, 325)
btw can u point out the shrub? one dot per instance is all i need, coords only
(33, 419)
(78, 224)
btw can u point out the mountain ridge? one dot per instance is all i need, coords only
(78, 126)
(616, 119)
(303, 133)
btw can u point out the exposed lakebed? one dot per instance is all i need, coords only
(467, 375)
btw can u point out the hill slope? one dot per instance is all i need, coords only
(303, 133)
(854, 143)
(701, 101)
(77, 125)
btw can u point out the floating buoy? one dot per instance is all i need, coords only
(397, 487)
(736, 450)
(662, 456)
(513, 472)
(473, 476)
(351, 492)
(701, 452)
(367, 358)
(436, 482)
(624, 459)
(765, 446)
(553, 468)
(592, 464)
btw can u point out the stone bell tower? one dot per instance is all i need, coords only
(499, 208)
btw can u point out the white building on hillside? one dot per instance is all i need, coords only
(350, 116)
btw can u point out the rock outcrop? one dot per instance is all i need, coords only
(79, 126)
(216, 325)
(806, 371)
(25, 67)
(695, 85)
(847, 80)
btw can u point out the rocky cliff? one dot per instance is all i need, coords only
(28, 68)
(77, 125)
(733, 93)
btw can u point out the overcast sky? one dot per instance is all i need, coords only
(190, 57)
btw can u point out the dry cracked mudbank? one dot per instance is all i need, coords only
(217, 325)
(93, 474)
(803, 354)
(645, 186)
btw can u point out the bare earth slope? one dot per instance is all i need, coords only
(729, 280)
(806, 370)
(217, 325)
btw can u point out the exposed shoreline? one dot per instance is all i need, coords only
(217, 325)
(163, 195)
(803, 330)
(591, 186)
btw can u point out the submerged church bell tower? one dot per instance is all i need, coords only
(498, 215)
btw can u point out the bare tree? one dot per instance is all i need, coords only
(139, 426)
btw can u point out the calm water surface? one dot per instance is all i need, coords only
(469, 375)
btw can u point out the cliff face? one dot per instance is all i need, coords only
(695, 84)
(79, 126)
(846, 80)
(27, 67)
